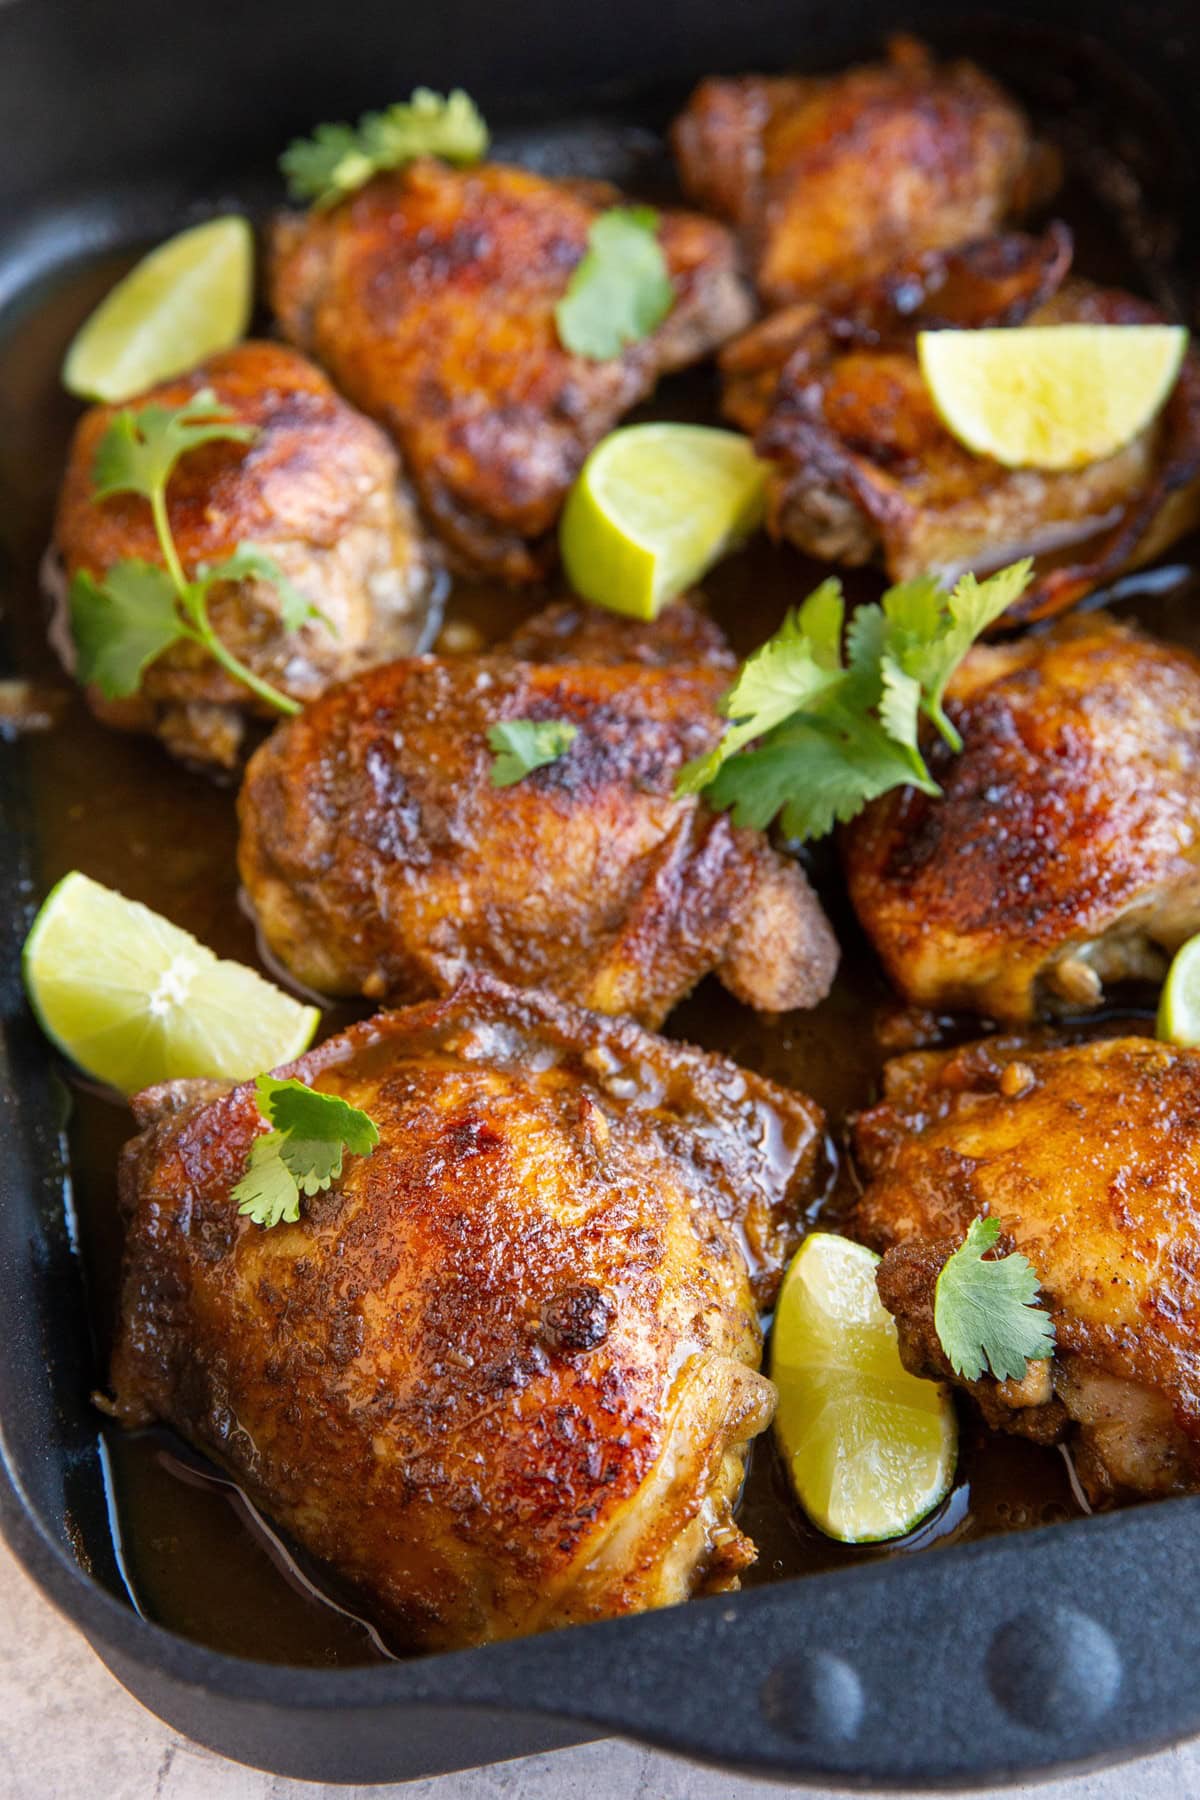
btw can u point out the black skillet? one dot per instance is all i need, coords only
(998, 1658)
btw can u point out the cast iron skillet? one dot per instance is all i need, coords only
(1063, 1645)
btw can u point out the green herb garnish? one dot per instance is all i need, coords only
(522, 745)
(830, 735)
(304, 1151)
(620, 290)
(986, 1311)
(338, 159)
(122, 622)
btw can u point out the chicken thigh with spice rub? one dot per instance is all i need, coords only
(863, 469)
(318, 488)
(430, 297)
(380, 858)
(502, 1375)
(830, 179)
(1064, 849)
(1089, 1158)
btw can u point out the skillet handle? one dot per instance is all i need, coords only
(955, 1667)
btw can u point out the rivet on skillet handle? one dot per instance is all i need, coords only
(1024, 1653)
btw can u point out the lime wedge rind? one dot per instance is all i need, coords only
(870, 1448)
(653, 509)
(133, 1000)
(1052, 397)
(186, 299)
(1178, 1019)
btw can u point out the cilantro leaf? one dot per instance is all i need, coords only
(620, 290)
(426, 124)
(813, 739)
(986, 1312)
(820, 619)
(312, 1162)
(785, 675)
(119, 628)
(324, 167)
(899, 702)
(267, 1192)
(522, 745)
(248, 563)
(338, 159)
(929, 633)
(915, 606)
(815, 773)
(782, 677)
(120, 624)
(866, 642)
(305, 1151)
(139, 450)
(305, 1113)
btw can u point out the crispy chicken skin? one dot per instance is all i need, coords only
(571, 631)
(380, 859)
(501, 1377)
(864, 469)
(1064, 851)
(831, 179)
(429, 296)
(318, 489)
(1089, 1156)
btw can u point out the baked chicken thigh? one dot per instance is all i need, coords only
(501, 1376)
(831, 179)
(1064, 851)
(318, 489)
(380, 859)
(430, 295)
(1089, 1156)
(864, 470)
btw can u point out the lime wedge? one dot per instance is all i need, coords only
(870, 1447)
(134, 1000)
(1050, 396)
(1179, 1003)
(653, 508)
(185, 300)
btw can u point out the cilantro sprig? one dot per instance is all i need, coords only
(812, 736)
(620, 290)
(986, 1311)
(124, 621)
(522, 745)
(338, 159)
(304, 1152)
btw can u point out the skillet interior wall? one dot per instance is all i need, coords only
(110, 128)
(116, 116)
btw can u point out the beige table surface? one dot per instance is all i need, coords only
(69, 1732)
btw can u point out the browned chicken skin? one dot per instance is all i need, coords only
(502, 1375)
(318, 489)
(831, 179)
(571, 631)
(864, 469)
(1089, 1156)
(380, 859)
(1064, 851)
(430, 298)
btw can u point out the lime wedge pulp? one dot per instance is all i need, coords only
(186, 299)
(653, 509)
(1179, 1003)
(1050, 396)
(870, 1448)
(133, 1000)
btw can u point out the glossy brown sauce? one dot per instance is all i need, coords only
(118, 808)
